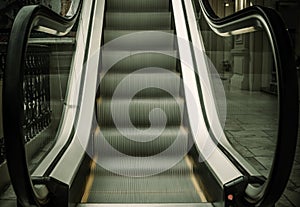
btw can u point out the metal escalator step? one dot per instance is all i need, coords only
(127, 61)
(164, 84)
(138, 5)
(177, 168)
(145, 205)
(138, 20)
(142, 40)
(144, 142)
(138, 112)
(113, 34)
(181, 190)
(160, 188)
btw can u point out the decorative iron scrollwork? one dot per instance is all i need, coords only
(36, 87)
(36, 92)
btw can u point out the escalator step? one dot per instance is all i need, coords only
(126, 62)
(138, 5)
(178, 168)
(137, 111)
(181, 190)
(113, 34)
(138, 20)
(144, 142)
(158, 85)
(142, 40)
(145, 205)
(160, 188)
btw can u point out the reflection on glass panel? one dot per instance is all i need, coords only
(47, 69)
(246, 67)
(252, 101)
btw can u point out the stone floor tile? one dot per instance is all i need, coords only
(233, 127)
(255, 142)
(265, 161)
(283, 202)
(8, 203)
(243, 151)
(296, 165)
(248, 133)
(297, 154)
(228, 134)
(264, 172)
(233, 141)
(295, 177)
(262, 151)
(264, 127)
(256, 164)
(291, 186)
(297, 189)
(293, 197)
(8, 194)
(255, 119)
(271, 132)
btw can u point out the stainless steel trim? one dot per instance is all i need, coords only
(82, 133)
(73, 92)
(208, 96)
(210, 152)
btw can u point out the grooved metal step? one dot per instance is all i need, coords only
(113, 34)
(144, 141)
(143, 40)
(164, 84)
(145, 205)
(165, 186)
(128, 61)
(138, 111)
(138, 20)
(138, 5)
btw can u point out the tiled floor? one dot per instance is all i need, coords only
(251, 128)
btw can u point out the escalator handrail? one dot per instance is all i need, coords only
(258, 17)
(42, 19)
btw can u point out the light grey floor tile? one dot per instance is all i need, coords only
(252, 142)
(283, 202)
(262, 151)
(248, 133)
(292, 196)
(256, 164)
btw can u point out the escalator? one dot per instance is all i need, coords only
(140, 125)
(177, 184)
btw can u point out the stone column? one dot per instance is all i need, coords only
(240, 55)
(65, 6)
(241, 4)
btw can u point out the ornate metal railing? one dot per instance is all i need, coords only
(2, 150)
(2, 147)
(36, 89)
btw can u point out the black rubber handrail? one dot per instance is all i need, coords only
(247, 20)
(45, 20)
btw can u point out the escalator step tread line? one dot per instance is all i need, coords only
(110, 34)
(145, 60)
(138, 20)
(138, 5)
(178, 184)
